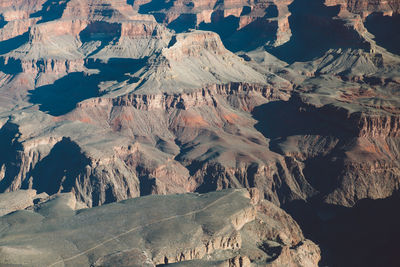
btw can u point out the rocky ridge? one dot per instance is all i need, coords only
(226, 228)
(161, 104)
(158, 84)
(92, 48)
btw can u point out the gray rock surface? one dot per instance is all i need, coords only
(226, 227)
(17, 200)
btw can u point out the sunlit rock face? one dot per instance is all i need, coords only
(225, 228)
(111, 100)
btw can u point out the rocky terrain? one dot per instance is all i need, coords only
(225, 228)
(105, 101)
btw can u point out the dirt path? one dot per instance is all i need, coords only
(137, 228)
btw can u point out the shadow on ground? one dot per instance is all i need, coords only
(314, 32)
(365, 235)
(105, 32)
(59, 169)
(313, 27)
(386, 30)
(9, 155)
(51, 10)
(62, 96)
(2, 22)
(13, 43)
(280, 119)
(153, 6)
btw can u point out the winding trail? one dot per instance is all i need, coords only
(139, 227)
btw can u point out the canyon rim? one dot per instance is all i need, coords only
(199, 133)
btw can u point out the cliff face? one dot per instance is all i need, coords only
(228, 16)
(357, 160)
(110, 100)
(190, 142)
(365, 8)
(198, 117)
(171, 120)
(190, 100)
(52, 165)
(226, 228)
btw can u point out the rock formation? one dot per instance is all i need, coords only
(225, 228)
(112, 100)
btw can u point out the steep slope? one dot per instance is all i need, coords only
(182, 113)
(137, 70)
(112, 100)
(365, 7)
(257, 21)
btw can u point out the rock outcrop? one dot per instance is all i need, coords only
(111, 100)
(365, 7)
(168, 128)
(18, 200)
(224, 228)
(232, 19)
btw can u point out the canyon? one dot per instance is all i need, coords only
(109, 108)
(225, 228)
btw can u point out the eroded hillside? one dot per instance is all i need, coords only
(111, 100)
